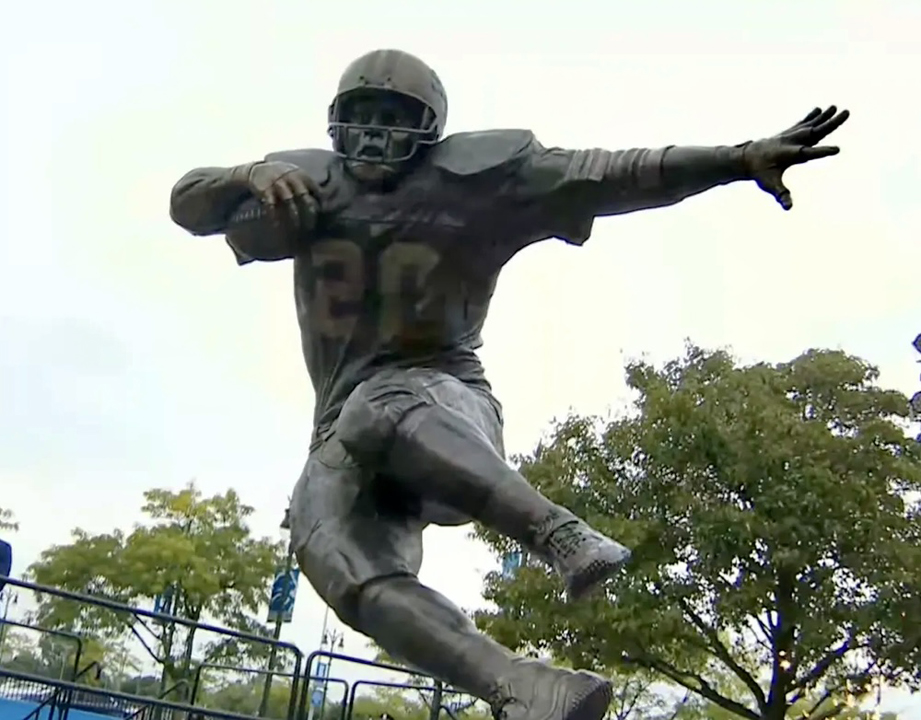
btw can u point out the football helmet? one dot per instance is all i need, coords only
(388, 105)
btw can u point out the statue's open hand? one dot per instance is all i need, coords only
(766, 160)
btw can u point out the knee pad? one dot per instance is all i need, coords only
(369, 418)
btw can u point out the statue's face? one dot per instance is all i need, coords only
(379, 132)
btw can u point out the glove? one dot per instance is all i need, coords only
(766, 160)
(286, 191)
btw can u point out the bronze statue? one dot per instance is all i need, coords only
(398, 236)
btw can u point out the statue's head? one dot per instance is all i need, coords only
(389, 107)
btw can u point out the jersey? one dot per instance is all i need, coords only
(383, 287)
(405, 277)
(402, 278)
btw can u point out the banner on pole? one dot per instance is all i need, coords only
(284, 591)
(6, 560)
(511, 563)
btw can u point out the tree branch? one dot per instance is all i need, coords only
(722, 653)
(147, 627)
(822, 667)
(694, 683)
(150, 651)
(862, 678)
(627, 701)
(764, 629)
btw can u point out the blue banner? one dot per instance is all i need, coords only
(6, 561)
(284, 591)
(510, 564)
(163, 602)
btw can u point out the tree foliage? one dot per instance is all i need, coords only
(773, 513)
(48, 655)
(196, 553)
(245, 698)
(7, 520)
(460, 703)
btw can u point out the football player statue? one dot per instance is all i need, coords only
(398, 236)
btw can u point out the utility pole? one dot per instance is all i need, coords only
(330, 638)
(279, 618)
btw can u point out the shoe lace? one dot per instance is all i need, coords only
(566, 540)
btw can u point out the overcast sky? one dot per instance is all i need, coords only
(134, 356)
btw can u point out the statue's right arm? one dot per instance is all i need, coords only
(204, 199)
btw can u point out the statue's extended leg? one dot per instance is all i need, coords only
(362, 559)
(429, 431)
(417, 625)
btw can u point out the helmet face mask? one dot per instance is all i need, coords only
(380, 126)
(389, 105)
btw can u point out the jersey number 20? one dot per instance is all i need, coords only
(341, 282)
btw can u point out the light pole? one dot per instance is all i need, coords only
(335, 641)
(280, 618)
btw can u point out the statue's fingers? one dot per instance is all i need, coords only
(286, 199)
(815, 153)
(824, 116)
(825, 128)
(810, 116)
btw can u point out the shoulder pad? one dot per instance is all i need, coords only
(472, 153)
(319, 164)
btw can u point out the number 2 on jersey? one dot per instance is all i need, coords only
(341, 282)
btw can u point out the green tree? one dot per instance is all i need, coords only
(197, 553)
(775, 524)
(144, 685)
(7, 520)
(51, 656)
(245, 697)
(637, 695)
(460, 703)
(404, 704)
(20, 653)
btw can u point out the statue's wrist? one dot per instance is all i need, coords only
(239, 175)
(742, 160)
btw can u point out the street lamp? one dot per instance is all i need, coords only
(285, 531)
(334, 640)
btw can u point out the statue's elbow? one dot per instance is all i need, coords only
(185, 210)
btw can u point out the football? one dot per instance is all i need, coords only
(254, 234)
(250, 211)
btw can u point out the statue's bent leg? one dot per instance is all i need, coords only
(363, 563)
(441, 439)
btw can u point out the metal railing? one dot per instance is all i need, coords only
(138, 707)
(52, 702)
(69, 636)
(114, 697)
(173, 620)
(436, 687)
